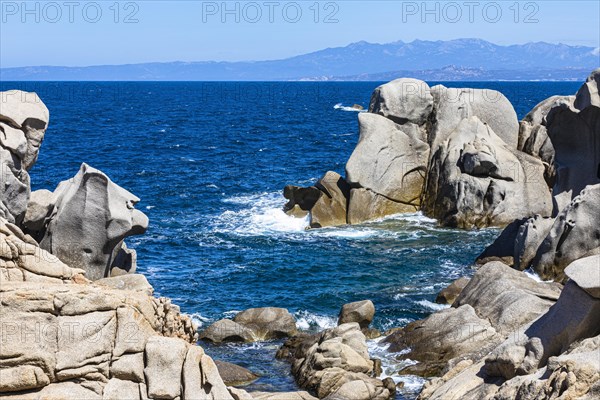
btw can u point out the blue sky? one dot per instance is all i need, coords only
(79, 33)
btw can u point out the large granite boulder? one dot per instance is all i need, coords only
(23, 122)
(366, 205)
(325, 203)
(575, 316)
(450, 293)
(282, 396)
(507, 298)
(574, 234)
(388, 161)
(574, 374)
(234, 375)
(251, 325)
(576, 140)
(267, 322)
(495, 302)
(406, 124)
(90, 217)
(475, 179)
(40, 206)
(403, 100)
(87, 340)
(453, 105)
(361, 312)
(434, 342)
(533, 134)
(530, 236)
(585, 272)
(328, 363)
(226, 330)
(553, 356)
(589, 93)
(21, 260)
(331, 207)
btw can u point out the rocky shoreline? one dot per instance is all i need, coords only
(78, 322)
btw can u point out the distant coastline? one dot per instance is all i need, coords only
(453, 60)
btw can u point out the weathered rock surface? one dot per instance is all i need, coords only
(585, 272)
(254, 324)
(443, 336)
(576, 140)
(65, 337)
(476, 180)
(572, 375)
(533, 134)
(22, 260)
(449, 294)
(555, 356)
(548, 245)
(575, 316)
(331, 207)
(328, 363)
(89, 220)
(234, 375)
(589, 94)
(23, 122)
(361, 312)
(454, 105)
(326, 203)
(366, 205)
(507, 298)
(574, 234)
(268, 322)
(388, 161)
(283, 396)
(68, 340)
(530, 236)
(226, 330)
(136, 282)
(403, 100)
(495, 302)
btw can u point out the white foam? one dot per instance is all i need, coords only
(231, 313)
(417, 218)
(274, 219)
(390, 365)
(432, 306)
(308, 321)
(261, 214)
(352, 233)
(340, 106)
(533, 275)
(199, 320)
(412, 383)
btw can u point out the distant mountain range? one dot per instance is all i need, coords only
(460, 59)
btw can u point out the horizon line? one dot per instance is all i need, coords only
(597, 49)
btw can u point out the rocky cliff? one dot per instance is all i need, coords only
(460, 156)
(76, 322)
(508, 334)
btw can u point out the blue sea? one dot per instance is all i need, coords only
(210, 160)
